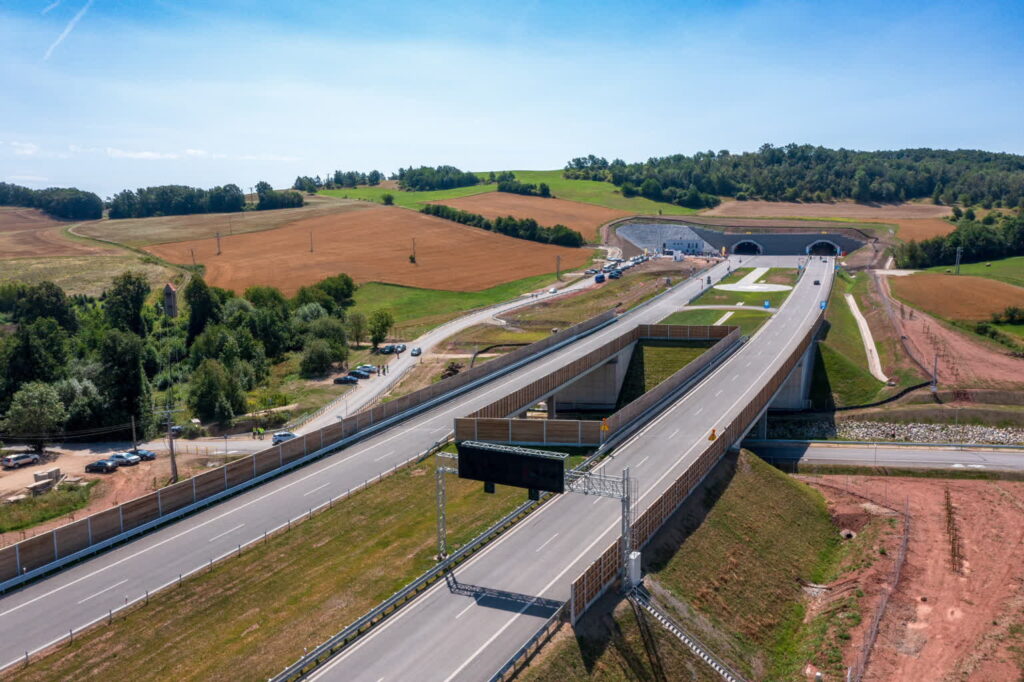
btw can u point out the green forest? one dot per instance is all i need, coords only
(990, 239)
(74, 364)
(814, 174)
(60, 202)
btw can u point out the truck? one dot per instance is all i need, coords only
(599, 277)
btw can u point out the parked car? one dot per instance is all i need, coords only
(552, 290)
(590, 271)
(101, 466)
(400, 348)
(416, 351)
(372, 369)
(125, 459)
(599, 278)
(19, 460)
(346, 380)
(146, 455)
(388, 349)
(282, 437)
(615, 274)
(358, 374)
(175, 431)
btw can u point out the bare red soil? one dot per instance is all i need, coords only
(373, 244)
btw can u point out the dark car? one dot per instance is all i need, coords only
(146, 455)
(817, 282)
(415, 351)
(346, 380)
(175, 431)
(358, 374)
(101, 466)
(400, 348)
(388, 349)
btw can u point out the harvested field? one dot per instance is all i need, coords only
(582, 217)
(956, 298)
(88, 274)
(944, 624)
(840, 209)
(962, 361)
(26, 232)
(925, 228)
(373, 244)
(176, 228)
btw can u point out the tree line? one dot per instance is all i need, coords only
(268, 198)
(526, 188)
(77, 363)
(68, 203)
(147, 202)
(337, 179)
(815, 174)
(426, 178)
(980, 241)
(520, 228)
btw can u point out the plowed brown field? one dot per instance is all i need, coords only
(956, 298)
(26, 232)
(583, 217)
(839, 209)
(925, 228)
(372, 245)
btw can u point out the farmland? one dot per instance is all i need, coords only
(1009, 270)
(178, 228)
(373, 244)
(34, 248)
(959, 298)
(585, 218)
(841, 209)
(414, 200)
(599, 193)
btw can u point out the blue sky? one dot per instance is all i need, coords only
(104, 95)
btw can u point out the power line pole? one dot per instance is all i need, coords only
(218, 243)
(311, 241)
(558, 268)
(959, 252)
(170, 444)
(135, 447)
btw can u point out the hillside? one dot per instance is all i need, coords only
(728, 566)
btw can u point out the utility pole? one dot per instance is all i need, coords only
(311, 241)
(414, 249)
(959, 252)
(193, 257)
(170, 444)
(558, 268)
(135, 447)
(218, 243)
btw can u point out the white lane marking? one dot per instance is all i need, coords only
(471, 605)
(384, 456)
(232, 530)
(596, 500)
(699, 410)
(544, 544)
(673, 434)
(735, 377)
(319, 487)
(718, 393)
(644, 460)
(106, 589)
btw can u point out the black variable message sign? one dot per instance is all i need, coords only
(509, 465)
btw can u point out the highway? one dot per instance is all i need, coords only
(461, 634)
(43, 611)
(900, 457)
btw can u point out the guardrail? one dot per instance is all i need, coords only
(213, 561)
(51, 550)
(546, 631)
(882, 444)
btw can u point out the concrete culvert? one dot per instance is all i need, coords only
(847, 534)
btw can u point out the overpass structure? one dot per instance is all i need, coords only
(566, 554)
(42, 612)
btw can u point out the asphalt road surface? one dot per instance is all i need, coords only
(42, 612)
(467, 634)
(901, 457)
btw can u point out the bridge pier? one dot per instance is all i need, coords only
(796, 390)
(597, 390)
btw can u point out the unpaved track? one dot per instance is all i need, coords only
(874, 364)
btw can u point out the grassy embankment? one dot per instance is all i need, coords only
(250, 616)
(726, 567)
(749, 321)
(841, 375)
(36, 510)
(654, 361)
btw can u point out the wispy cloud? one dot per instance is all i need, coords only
(67, 29)
(25, 148)
(115, 153)
(51, 6)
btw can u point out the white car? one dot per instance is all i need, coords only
(552, 290)
(282, 436)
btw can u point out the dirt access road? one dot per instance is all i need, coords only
(947, 620)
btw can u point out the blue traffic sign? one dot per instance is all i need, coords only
(822, 304)
(767, 303)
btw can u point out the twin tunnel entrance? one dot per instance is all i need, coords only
(821, 247)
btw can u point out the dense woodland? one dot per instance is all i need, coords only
(807, 173)
(991, 239)
(78, 363)
(526, 188)
(520, 228)
(426, 178)
(268, 198)
(146, 202)
(337, 179)
(68, 203)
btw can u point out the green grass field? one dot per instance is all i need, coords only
(35, 510)
(600, 193)
(654, 361)
(749, 321)
(249, 617)
(413, 200)
(716, 296)
(1009, 270)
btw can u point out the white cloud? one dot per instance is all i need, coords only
(51, 6)
(196, 152)
(67, 29)
(147, 155)
(25, 148)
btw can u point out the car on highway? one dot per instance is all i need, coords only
(358, 374)
(817, 282)
(282, 437)
(125, 459)
(145, 455)
(416, 351)
(19, 460)
(346, 380)
(101, 466)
